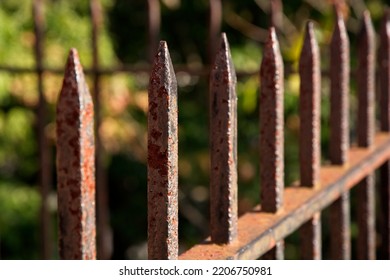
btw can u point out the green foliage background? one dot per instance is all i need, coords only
(124, 107)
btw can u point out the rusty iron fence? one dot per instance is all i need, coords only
(283, 209)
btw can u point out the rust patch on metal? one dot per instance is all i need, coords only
(365, 134)
(223, 146)
(76, 165)
(259, 231)
(162, 159)
(271, 126)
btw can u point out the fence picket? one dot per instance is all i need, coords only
(309, 137)
(339, 135)
(365, 136)
(162, 159)
(272, 133)
(76, 165)
(223, 146)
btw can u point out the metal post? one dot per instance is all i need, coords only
(365, 136)
(162, 159)
(223, 146)
(272, 133)
(309, 137)
(339, 136)
(76, 165)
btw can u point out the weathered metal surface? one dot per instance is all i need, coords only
(310, 235)
(365, 81)
(339, 136)
(384, 76)
(365, 133)
(339, 93)
(340, 234)
(45, 178)
(366, 246)
(223, 146)
(309, 135)
(215, 21)
(162, 159)
(75, 165)
(271, 126)
(103, 234)
(309, 109)
(300, 205)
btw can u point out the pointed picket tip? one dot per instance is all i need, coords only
(271, 52)
(74, 79)
(162, 73)
(73, 65)
(340, 24)
(272, 44)
(309, 33)
(310, 46)
(367, 28)
(339, 36)
(223, 60)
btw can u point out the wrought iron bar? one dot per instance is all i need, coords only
(223, 146)
(76, 165)
(309, 137)
(272, 133)
(339, 135)
(162, 159)
(365, 135)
